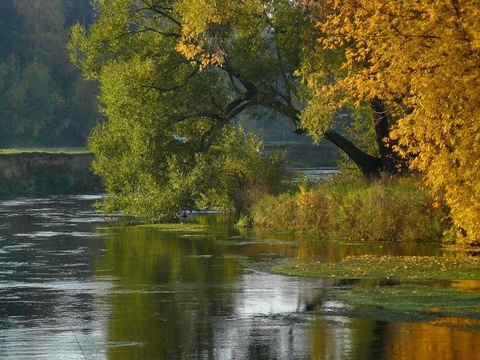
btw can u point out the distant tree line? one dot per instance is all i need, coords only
(44, 100)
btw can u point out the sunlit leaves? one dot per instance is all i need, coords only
(421, 58)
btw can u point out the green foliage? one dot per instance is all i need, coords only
(179, 179)
(276, 212)
(7, 41)
(31, 102)
(171, 143)
(43, 99)
(388, 209)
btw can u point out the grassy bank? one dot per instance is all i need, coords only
(355, 209)
(389, 209)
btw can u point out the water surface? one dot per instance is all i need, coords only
(75, 284)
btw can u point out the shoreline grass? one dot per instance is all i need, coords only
(387, 209)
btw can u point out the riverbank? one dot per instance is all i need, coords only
(32, 173)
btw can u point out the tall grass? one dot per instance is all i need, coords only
(386, 209)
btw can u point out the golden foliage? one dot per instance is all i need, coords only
(422, 58)
(200, 21)
(197, 15)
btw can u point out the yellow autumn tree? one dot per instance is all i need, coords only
(422, 59)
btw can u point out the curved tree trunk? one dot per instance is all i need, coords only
(369, 165)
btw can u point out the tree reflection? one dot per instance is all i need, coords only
(194, 295)
(426, 341)
(168, 293)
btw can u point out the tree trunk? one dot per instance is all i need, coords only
(369, 165)
(382, 132)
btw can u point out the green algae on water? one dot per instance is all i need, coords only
(401, 268)
(178, 227)
(447, 285)
(410, 296)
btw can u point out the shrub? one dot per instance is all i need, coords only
(386, 209)
(276, 212)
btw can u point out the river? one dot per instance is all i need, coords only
(76, 284)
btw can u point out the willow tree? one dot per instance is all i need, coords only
(170, 142)
(421, 59)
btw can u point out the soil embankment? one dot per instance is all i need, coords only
(41, 172)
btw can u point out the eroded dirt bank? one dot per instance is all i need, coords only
(39, 172)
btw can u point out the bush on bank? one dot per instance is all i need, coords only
(355, 209)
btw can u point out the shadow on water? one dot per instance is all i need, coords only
(74, 284)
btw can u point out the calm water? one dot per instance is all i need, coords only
(76, 285)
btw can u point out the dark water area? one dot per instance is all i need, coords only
(75, 284)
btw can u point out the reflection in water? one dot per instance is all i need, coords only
(75, 285)
(432, 342)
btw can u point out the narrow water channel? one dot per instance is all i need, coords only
(75, 284)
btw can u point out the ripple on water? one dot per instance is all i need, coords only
(18, 202)
(50, 234)
(72, 287)
(17, 247)
(59, 341)
(63, 342)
